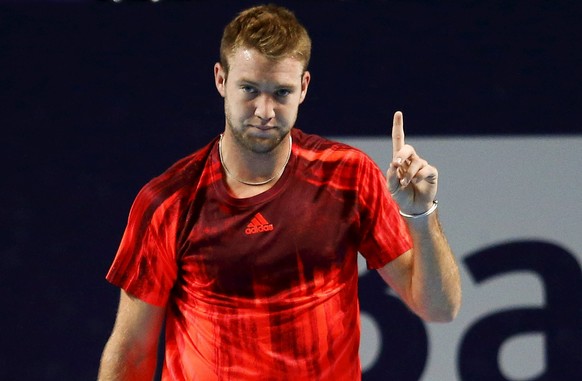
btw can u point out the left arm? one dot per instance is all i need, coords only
(426, 277)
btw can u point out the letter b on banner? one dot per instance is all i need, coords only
(404, 343)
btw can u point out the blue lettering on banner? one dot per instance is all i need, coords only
(404, 344)
(404, 340)
(560, 320)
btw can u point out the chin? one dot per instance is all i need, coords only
(263, 141)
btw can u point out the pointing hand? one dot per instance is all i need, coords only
(411, 180)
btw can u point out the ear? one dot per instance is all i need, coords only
(305, 78)
(220, 78)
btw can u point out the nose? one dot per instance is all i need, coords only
(264, 107)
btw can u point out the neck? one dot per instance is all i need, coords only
(254, 169)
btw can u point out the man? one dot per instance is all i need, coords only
(248, 247)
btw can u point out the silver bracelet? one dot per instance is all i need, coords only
(435, 203)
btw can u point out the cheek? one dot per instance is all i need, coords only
(288, 115)
(235, 107)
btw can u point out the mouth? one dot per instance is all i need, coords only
(262, 128)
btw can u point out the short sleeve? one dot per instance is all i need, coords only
(384, 233)
(145, 264)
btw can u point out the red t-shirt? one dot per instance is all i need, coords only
(262, 288)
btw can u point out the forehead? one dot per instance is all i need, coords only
(250, 64)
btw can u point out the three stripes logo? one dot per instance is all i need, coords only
(258, 224)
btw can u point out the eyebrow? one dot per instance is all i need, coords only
(256, 84)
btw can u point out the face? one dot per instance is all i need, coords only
(261, 98)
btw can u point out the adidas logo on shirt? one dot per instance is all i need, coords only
(259, 224)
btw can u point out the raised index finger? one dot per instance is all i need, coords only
(397, 133)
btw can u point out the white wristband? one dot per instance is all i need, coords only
(435, 203)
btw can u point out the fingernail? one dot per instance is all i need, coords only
(399, 160)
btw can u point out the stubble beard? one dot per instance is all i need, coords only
(257, 145)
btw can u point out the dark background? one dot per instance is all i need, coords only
(96, 98)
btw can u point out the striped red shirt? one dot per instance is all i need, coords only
(262, 288)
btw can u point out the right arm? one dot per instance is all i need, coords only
(131, 351)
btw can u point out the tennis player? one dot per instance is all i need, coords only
(247, 248)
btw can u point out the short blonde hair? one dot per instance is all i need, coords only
(272, 30)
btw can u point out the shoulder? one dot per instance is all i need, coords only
(326, 161)
(315, 147)
(187, 167)
(174, 183)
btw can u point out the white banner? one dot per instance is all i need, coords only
(512, 210)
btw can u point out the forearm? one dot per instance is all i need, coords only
(435, 286)
(121, 363)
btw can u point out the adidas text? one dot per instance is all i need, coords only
(258, 229)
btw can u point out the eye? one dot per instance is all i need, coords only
(281, 93)
(248, 89)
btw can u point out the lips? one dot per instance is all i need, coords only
(263, 128)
